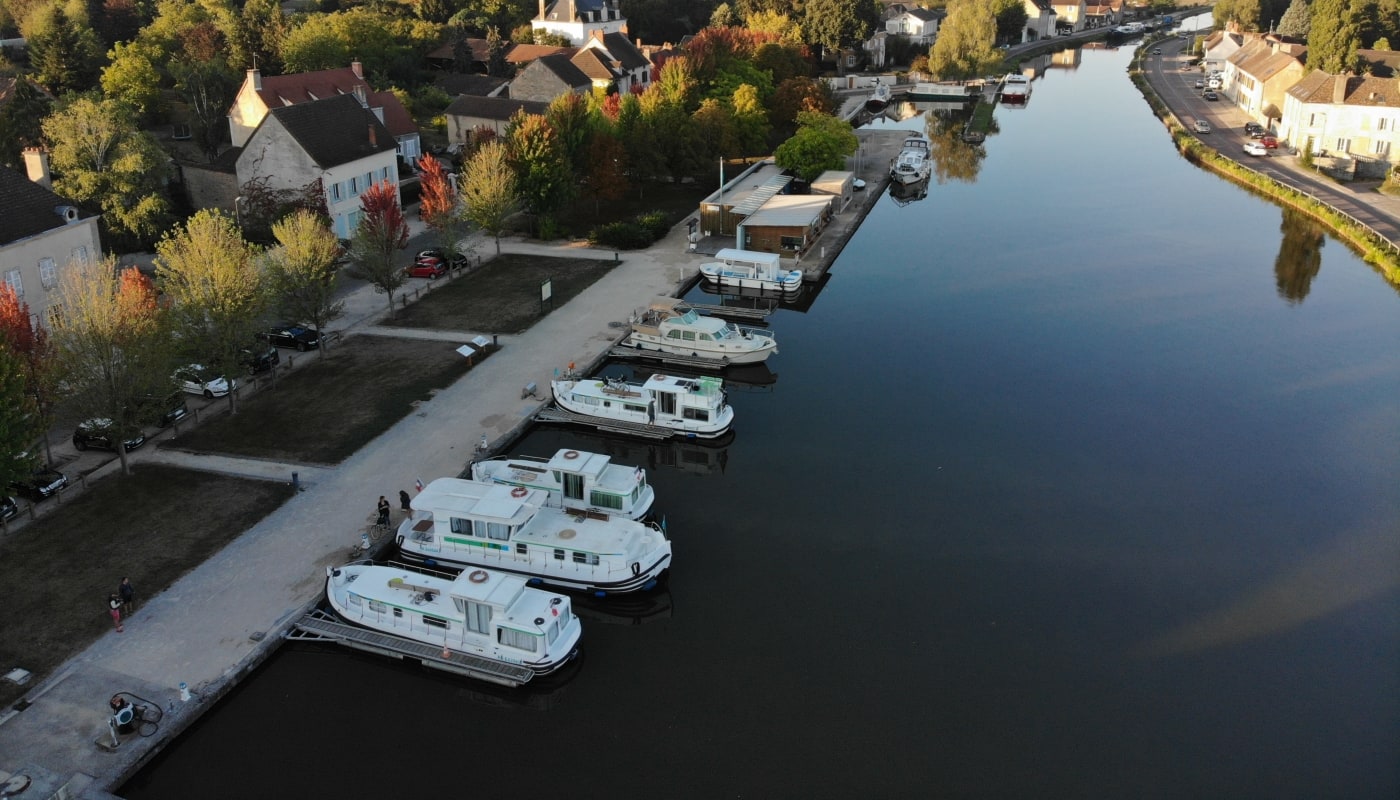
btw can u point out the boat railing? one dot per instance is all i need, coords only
(747, 331)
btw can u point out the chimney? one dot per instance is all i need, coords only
(541, 16)
(255, 78)
(36, 163)
(373, 140)
(358, 69)
(1339, 88)
(573, 12)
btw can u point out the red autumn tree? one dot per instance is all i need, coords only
(29, 342)
(377, 240)
(440, 209)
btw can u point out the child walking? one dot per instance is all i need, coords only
(115, 604)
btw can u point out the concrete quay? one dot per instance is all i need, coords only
(217, 623)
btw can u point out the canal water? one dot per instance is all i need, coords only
(1078, 478)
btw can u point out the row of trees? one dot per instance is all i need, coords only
(110, 348)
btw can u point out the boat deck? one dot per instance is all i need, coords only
(669, 358)
(320, 626)
(615, 426)
(731, 311)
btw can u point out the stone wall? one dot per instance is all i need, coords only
(209, 188)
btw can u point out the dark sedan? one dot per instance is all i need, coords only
(1211, 95)
(42, 484)
(99, 433)
(9, 509)
(291, 336)
(259, 359)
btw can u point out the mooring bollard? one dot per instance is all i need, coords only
(184, 692)
(296, 483)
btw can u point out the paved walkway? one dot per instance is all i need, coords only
(216, 623)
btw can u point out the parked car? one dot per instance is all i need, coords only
(9, 509)
(289, 335)
(457, 261)
(43, 483)
(426, 269)
(1202, 126)
(1254, 129)
(170, 409)
(1200, 83)
(1255, 149)
(1268, 141)
(197, 379)
(100, 433)
(1210, 95)
(259, 360)
(1156, 51)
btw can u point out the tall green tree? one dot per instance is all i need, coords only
(208, 89)
(568, 116)
(1333, 42)
(822, 143)
(834, 24)
(1011, 19)
(489, 190)
(110, 345)
(302, 272)
(19, 421)
(965, 47)
(1296, 21)
(381, 233)
(66, 54)
(134, 76)
(542, 169)
(218, 291)
(20, 122)
(104, 163)
(751, 125)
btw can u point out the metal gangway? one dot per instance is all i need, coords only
(731, 311)
(614, 426)
(669, 358)
(320, 626)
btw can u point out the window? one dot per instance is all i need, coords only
(48, 273)
(435, 622)
(689, 336)
(520, 548)
(605, 500)
(1343, 145)
(697, 414)
(459, 525)
(478, 617)
(369, 179)
(13, 278)
(585, 558)
(1382, 148)
(1381, 123)
(558, 554)
(398, 613)
(335, 192)
(355, 187)
(80, 254)
(377, 607)
(353, 599)
(791, 242)
(518, 639)
(498, 531)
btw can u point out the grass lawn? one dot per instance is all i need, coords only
(59, 569)
(333, 404)
(503, 296)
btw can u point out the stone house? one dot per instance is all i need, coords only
(549, 77)
(1040, 20)
(40, 234)
(335, 141)
(631, 69)
(1259, 75)
(1345, 116)
(1069, 15)
(920, 25)
(468, 112)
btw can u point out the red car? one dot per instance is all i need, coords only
(427, 268)
(1269, 142)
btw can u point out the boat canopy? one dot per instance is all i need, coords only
(732, 256)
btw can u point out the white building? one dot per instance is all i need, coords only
(40, 234)
(578, 19)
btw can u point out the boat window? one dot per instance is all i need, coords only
(690, 316)
(705, 337)
(353, 599)
(573, 486)
(635, 409)
(689, 336)
(520, 548)
(558, 555)
(553, 631)
(697, 414)
(585, 558)
(435, 622)
(398, 613)
(588, 401)
(460, 525)
(673, 335)
(605, 500)
(479, 528)
(478, 617)
(518, 639)
(498, 531)
(459, 603)
(377, 607)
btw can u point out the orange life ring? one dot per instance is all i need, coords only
(571, 454)
(478, 576)
(519, 491)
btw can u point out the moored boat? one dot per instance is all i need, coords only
(912, 163)
(1015, 87)
(942, 91)
(671, 326)
(483, 613)
(575, 480)
(690, 407)
(467, 524)
(746, 269)
(878, 99)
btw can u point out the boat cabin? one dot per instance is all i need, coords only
(574, 479)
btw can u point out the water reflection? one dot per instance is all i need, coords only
(687, 456)
(1299, 255)
(637, 608)
(953, 158)
(741, 377)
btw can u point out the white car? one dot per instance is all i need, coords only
(197, 379)
(1202, 126)
(1255, 149)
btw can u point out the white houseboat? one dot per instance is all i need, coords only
(943, 91)
(484, 613)
(671, 326)
(750, 270)
(879, 98)
(464, 524)
(690, 407)
(575, 480)
(1015, 87)
(912, 164)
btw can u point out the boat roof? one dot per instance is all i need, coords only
(552, 527)
(449, 496)
(674, 383)
(728, 253)
(582, 462)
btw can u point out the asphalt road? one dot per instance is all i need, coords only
(1174, 83)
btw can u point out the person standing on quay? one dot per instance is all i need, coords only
(403, 502)
(114, 603)
(127, 593)
(383, 511)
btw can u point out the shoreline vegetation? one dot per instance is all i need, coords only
(1374, 249)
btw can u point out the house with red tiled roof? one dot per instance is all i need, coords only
(522, 55)
(260, 94)
(1347, 116)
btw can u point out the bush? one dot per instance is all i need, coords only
(654, 223)
(621, 235)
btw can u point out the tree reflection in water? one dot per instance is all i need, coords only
(953, 159)
(1299, 255)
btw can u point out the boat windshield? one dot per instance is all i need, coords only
(688, 316)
